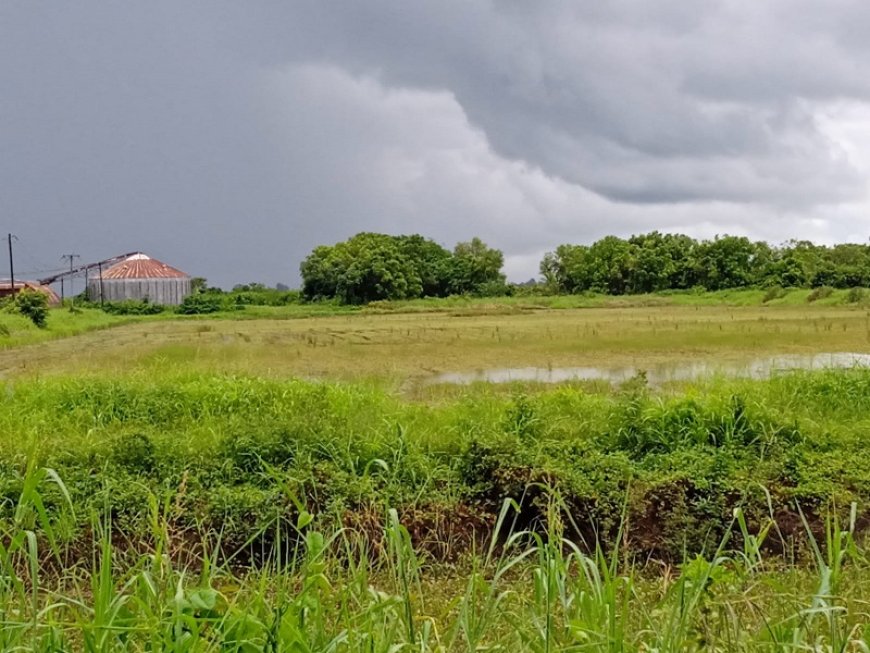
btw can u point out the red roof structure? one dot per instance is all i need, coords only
(142, 266)
(7, 290)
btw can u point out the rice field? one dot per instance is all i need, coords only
(402, 349)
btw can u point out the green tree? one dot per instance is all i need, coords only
(610, 263)
(376, 268)
(476, 269)
(568, 268)
(431, 261)
(198, 284)
(661, 262)
(320, 273)
(364, 268)
(726, 262)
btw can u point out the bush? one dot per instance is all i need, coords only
(856, 295)
(822, 292)
(133, 307)
(200, 304)
(265, 297)
(774, 292)
(33, 305)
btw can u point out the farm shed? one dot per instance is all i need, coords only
(139, 276)
(6, 290)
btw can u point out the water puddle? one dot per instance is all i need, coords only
(757, 368)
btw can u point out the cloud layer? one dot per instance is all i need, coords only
(231, 138)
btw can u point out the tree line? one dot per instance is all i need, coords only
(655, 262)
(371, 266)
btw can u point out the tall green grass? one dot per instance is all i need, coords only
(228, 453)
(335, 590)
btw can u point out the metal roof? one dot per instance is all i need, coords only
(6, 289)
(142, 266)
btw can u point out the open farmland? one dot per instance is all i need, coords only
(407, 347)
(265, 483)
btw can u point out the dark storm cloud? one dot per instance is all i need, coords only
(230, 138)
(603, 95)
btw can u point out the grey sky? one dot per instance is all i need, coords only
(229, 138)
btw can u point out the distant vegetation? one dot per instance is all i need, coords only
(657, 262)
(371, 267)
(205, 300)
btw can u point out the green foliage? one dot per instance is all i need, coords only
(476, 270)
(201, 304)
(34, 306)
(365, 268)
(133, 307)
(856, 296)
(251, 295)
(198, 284)
(312, 586)
(822, 292)
(231, 451)
(376, 267)
(432, 263)
(774, 292)
(656, 262)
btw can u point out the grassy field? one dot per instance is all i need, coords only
(16, 330)
(278, 480)
(402, 345)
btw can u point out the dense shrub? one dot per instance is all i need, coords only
(33, 305)
(232, 454)
(822, 292)
(856, 295)
(133, 307)
(200, 304)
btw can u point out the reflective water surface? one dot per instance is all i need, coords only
(756, 368)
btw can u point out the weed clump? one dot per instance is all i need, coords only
(822, 292)
(133, 307)
(856, 296)
(772, 293)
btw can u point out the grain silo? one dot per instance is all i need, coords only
(139, 276)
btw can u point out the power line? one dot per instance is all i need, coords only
(71, 258)
(22, 252)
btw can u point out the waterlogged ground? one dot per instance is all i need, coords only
(408, 350)
(671, 372)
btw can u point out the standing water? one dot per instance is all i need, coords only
(757, 368)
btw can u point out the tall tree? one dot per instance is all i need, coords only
(476, 269)
(431, 261)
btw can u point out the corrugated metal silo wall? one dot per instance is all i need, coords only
(170, 292)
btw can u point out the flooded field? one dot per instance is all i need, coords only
(756, 368)
(424, 350)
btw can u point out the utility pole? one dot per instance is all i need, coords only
(11, 267)
(100, 265)
(71, 258)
